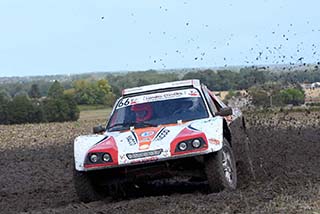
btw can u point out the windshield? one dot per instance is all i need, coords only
(157, 109)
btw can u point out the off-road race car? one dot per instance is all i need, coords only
(158, 131)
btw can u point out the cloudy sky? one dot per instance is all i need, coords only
(76, 36)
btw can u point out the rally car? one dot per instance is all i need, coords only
(158, 131)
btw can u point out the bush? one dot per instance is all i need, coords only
(292, 96)
(259, 97)
(73, 112)
(22, 110)
(60, 109)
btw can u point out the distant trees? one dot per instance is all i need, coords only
(58, 106)
(4, 100)
(92, 92)
(274, 94)
(85, 86)
(73, 111)
(260, 97)
(134, 79)
(21, 109)
(248, 77)
(60, 109)
(293, 96)
(56, 90)
(56, 101)
(224, 80)
(34, 92)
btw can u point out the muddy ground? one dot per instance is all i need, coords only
(36, 172)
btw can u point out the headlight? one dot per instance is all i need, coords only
(183, 146)
(93, 158)
(196, 143)
(106, 157)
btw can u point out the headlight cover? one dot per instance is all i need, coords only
(189, 145)
(93, 158)
(98, 158)
(183, 146)
(106, 157)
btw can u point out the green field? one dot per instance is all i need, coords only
(94, 114)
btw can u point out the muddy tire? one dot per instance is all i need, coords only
(85, 188)
(220, 168)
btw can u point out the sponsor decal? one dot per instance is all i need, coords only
(194, 93)
(162, 134)
(157, 97)
(214, 141)
(143, 140)
(131, 140)
(145, 159)
(163, 96)
(144, 154)
(133, 101)
(123, 103)
(173, 94)
(192, 128)
(144, 146)
(147, 134)
(153, 98)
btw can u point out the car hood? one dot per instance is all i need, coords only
(146, 138)
(149, 139)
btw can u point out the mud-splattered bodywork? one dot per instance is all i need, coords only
(150, 144)
(163, 139)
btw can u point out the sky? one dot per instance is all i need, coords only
(77, 36)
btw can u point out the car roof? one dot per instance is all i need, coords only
(168, 85)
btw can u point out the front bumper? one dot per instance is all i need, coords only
(147, 160)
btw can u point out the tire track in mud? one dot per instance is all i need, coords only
(36, 175)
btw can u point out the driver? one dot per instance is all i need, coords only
(183, 106)
(143, 112)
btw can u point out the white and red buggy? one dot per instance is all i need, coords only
(158, 131)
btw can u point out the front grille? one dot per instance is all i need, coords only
(137, 155)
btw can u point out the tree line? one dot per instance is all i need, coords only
(56, 107)
(274, 94)
(218, 80)
(266, 87)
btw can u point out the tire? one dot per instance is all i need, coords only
(85, 188)
(220, 168)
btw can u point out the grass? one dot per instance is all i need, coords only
(91, 107)
(92, 113)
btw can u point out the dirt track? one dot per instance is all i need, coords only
(36, 172)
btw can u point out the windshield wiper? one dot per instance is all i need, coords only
(135, 124)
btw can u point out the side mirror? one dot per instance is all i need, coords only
(227, 111)
(98, 129)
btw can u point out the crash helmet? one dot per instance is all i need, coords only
(143, 111)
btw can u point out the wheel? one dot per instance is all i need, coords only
(86, 189)
(220, 168)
